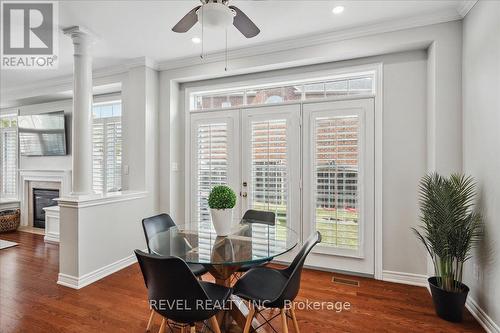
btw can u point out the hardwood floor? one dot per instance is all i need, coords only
(31, 301)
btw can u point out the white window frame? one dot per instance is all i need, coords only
(104, 100)
(9, 114)
(336, 73)
(352, 72)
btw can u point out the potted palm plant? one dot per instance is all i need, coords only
(450, 228)
(221, 201)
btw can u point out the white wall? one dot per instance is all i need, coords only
(97, 238)
(431, 137)
(481, 142)
(49, 162)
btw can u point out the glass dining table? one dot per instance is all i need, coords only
(248, 243)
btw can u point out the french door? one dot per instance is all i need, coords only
(214, 160)
(270, 146)
(338, 178)
(311, 164)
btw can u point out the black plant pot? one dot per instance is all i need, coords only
(448, 305)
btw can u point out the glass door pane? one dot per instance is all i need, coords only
(269, 168)
(335, 177)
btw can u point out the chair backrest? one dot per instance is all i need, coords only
(155, 224)
(259, 216)
(173, 290)
(294, 271)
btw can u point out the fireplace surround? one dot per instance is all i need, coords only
(40, 179)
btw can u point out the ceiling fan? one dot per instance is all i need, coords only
(217, 13)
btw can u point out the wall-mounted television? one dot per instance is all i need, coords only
(42, 134)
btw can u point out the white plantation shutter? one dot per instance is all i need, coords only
(212, 164)
(113, 154)
(9, 164)
(8, 156)
(336, 166)
(269, 168)
(107, 147)
(98, 156)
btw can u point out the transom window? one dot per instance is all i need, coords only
(354, 84)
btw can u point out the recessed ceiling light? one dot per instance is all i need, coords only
(337, 10)
(196, 40)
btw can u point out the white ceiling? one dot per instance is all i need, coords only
(132, 29)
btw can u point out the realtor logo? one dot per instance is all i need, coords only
(29, 35)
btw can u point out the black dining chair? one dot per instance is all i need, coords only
(162, 222)
(176, 294)
(256, 216)
(154, 225)
(270, 288)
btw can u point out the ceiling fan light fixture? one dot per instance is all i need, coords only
(215, 15)
(338, 10)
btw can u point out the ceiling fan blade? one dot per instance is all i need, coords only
(244, 24)
(187, 21)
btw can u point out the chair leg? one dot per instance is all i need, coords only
(251, 313)
(162, 326)
(294, 318)
(150, 321)
(215, 324)
(283, 321)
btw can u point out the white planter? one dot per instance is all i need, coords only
(222, 220)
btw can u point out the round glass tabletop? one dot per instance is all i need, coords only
(247, 243)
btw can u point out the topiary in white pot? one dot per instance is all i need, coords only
(221, 201)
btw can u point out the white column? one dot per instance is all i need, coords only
(82, 112)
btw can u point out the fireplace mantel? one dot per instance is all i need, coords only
(63, 177)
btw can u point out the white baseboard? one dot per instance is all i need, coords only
(419, 280)
(488, 324)
(84, 280)
(51, 237)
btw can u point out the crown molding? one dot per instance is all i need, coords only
(465, 6)
(142, 62)
(443, 16)
(65, 83)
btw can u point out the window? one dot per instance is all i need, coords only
(107, 147)
(354, 84)
(336, 176)
(8, 156)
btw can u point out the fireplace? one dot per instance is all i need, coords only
(42, 198)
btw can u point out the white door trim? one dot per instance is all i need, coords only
(362, 259)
